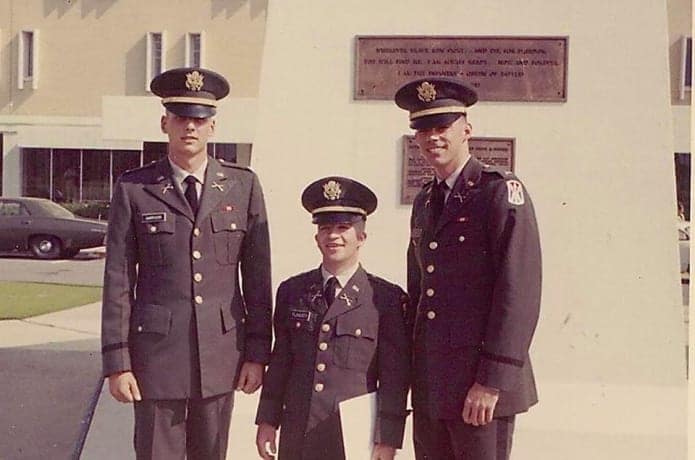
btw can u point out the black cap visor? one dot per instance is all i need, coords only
(336, 218)
(439, 120)
(191, 110)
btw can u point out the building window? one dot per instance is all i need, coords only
(195, 49)
(686, 76)
(156, 44)
(27, 59)
(74, 175)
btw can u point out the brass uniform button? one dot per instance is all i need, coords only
(431, 314)
(325, 327)
(430, 292)
(323, 346)
(198, 277)
(153, 228)
(196, 231)
(430, 269)
(318, 387)
(320, 367)
(297, 324)
(433, 245)
(358, 332)
(232, 226)
(197, 255)
(139, 328)
(198, 299)
(462, 238)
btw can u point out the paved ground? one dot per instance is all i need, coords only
(51, 390)
(87, 269)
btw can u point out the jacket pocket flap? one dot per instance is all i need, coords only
(356, 327)
(152, 318)
(162, 226)
(226, 221)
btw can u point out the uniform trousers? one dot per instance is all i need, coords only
(174, 429)
(324, 442)
(456, 440)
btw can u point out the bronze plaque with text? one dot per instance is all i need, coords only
(416, 172)
(499, 68)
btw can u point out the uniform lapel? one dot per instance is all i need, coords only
(164, 189)
(216, 186)
(312, 297)
(350, 296)
(463, 188)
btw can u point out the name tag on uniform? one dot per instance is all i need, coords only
(153, 217)
(303, 317)
(300, 315)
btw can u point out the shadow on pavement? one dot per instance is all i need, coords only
(48, 396)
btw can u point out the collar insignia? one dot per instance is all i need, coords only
(166, 188)
(344, 296)
(218, 186)
(194, 81)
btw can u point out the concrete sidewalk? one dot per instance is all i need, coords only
(574, 421)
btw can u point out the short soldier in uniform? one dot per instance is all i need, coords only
(474, 280)
(339, 334)
(180, 330)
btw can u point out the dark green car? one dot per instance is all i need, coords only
(46, 229)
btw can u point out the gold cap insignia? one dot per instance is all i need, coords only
(194, 81)
(332, 190)
(426, 92)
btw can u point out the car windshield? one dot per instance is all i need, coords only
(54, 209)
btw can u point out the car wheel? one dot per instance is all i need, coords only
(45, 247)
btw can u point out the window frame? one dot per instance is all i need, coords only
(150, 72)
(28, 58)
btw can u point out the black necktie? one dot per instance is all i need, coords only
(437, 200)
(191, 193)
(329, 290)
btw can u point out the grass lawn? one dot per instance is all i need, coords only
(22, 300)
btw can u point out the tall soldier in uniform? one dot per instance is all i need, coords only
(339, 334)
(474, 280)
(179, 330)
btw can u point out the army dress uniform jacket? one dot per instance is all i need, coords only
(474, 280)
(174, 311)
(321, 357)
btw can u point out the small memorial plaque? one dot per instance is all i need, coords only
(416, 172)
(500, 68)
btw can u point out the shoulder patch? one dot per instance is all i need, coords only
(515, 192)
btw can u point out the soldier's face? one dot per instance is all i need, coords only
(444, 147)
(339, 243)
(187, 136)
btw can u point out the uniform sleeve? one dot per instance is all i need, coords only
(515, 247)
(413, 279)
(393, 372)
(255, 282)
(275, 380)
(119, 282)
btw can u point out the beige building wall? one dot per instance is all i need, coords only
(91, 48)
(91, 88)
(609, 349)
